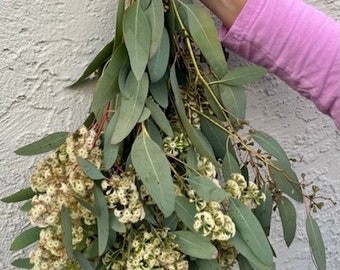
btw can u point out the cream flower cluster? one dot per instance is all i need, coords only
(58, 180)
(149, 250)
(122, 195)
(249, 193)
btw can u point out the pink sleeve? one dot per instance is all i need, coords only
(294, 41)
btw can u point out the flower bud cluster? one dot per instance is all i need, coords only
(227, 255)
(58, 180)
(122, 195)
(174, 146)
(205, 167)
(149, 250)
(249, 193)
(210, 218)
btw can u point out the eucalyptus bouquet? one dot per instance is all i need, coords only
(165, 173)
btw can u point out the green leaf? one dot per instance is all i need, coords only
(107, 87)
(46, 144)
(196, 137)
(263, 212)
(19, 196)
(195, 245)
(130, 110)
(251, 231)
(125, 87)
(27, 206)
(243, 75)
(207, 189)
(26, 238)
(283, 175)
(186, 211)
(243, 263)
(119, 24)
(229, 166)
(110, 150)
(216, 137)
(316, 243)
(22, 263)
(83, 262)
(159, 117)
(90, 170)
(203, 30)
(244, 248)
(102, 219)
(159, 91)
(158, 64)
(270, 145)
(87, 205)
(288, 219)
(154, 133)
(155, 15)
(154, 170)
(144, 115)
(99, 60)
(171, 222)
(234, 100)
(66, 229)
(91, 250)
(137, 37)
(207, 264)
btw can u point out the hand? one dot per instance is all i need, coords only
(226, 10)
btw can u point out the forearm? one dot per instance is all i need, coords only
(226, 10)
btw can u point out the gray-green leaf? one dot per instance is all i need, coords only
(66, 229)
(316, 243)
(26, 238)
(288, 219)
(90, 170)
(234, 100)
(243, 75)
(263, 212)
(186, 211)
(22, 263)
(195, 245)
(251, 231)
(137, 37)
(46, 144)
(130, 110)
(19, 196)
(154, 170)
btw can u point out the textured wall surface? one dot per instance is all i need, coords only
(45, 45)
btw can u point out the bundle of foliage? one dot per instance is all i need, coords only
(165, 173)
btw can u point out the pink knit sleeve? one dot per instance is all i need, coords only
(294, 41)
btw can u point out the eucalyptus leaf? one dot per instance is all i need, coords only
(243, 263)
(243, 247)
(251, 231)
(154, 133)
(197, 138)
(207, 264)
(27, 206)
(229, 166)
(87, 205)
(83, 262)
(234, 100)
(115, 224)
(102, 219)
(66, 229)
(154, 170)
(130, 110)
(89, 169)
(316, 243)
(159, 92)
(186, 211)
(270, 145)
(159, 117)
(22, 263)
(124, 82)
(203, 30)
(119, 24)
(286, 179)
(158, 64)
(107, 87)
(216, 137)
(195, 245)
(46, 144)
(137, 37)
(263, 212)
(26, 238)
(21, 195)
(99, 60)
(144, 115)
(288, 219)
(171, 222)
(155, 15)
(207, 189)
(243, 75)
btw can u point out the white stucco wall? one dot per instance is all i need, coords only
(45, 45)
